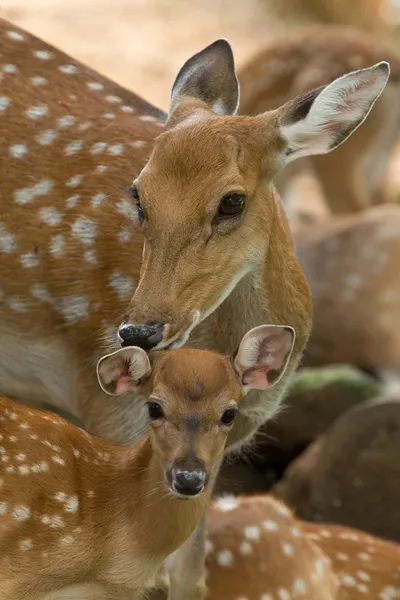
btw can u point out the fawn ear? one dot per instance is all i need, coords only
(318, 121)
(263, 355)
(209, 76)
(123, 370)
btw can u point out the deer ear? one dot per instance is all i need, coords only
(320, 120)
(209, 76)
(263, 355)
(123, 370)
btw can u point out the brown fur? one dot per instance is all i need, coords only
(353, 175)
(293, 559)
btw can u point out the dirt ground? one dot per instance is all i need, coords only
(143, 43)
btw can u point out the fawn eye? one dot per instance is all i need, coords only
(134, 192)
(229, 416)
(155, 411)
(231, 206)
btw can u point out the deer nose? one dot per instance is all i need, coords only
(145, 336)
(188, 483)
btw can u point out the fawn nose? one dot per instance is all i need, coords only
(145, 336)
(188, 483)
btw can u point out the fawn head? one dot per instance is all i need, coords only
(205, 200)
(193, 397)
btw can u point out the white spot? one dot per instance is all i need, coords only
(342, 557)
(37, 112)
(138, 144)
(66, 121)
(148, 118)
(283, 510)
(345, 535)
(85, 125)
(50, 215)
(319, 567)
(54, 521)
(128, 209)
(72, 504)
(23, 469)
(40, 292)
(74, 181)
(68, 69)
(58, 460)
(4, 103)
(18, 150)
(363, 576)
(29, 260)
(109, 116)
(3, 508)
(245, 548)
(252, 532)
(98, 199)
(116, 149)
(270, 525)
(287, 549)
(90, 494)
(225, 558)
(325, 533)
(114, 99)
(43, 54)
(17, 305)
(26, 195)
(348, 581)
(95, 85)
(364, 556)
(74, 308)
(90, 256)
(57, 244)
(21, 512)
(38, 80)
(76, 453)
(72, 201)
(296, 532)
(46, 137)
(388, 593)
(283, 594)
(266, 597)
(127, 109)
(299, 587)
(67, 539)
(121, 284)
(16, 35)
(226, 503)
(361, 587)
(98, 147)
(13, 438)
(10, 68)
(85, 230)
(101, 168)
(20, 457)
(25, 545)
(125, 235)
(73, 147)
(8, 241)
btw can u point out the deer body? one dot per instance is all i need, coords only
(258, 549)
(353, 176)
(197, 247)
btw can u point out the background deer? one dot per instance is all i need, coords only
(257, 549)
(353, 176)
(217, 258)
(63, 490)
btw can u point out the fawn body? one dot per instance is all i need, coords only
(353, 176)
(258, 550)
(203, 213)
(84, 518)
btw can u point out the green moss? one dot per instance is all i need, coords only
(346, 376)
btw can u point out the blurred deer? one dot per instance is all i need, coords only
(353, 176)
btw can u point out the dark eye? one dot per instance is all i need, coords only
(231, 206)
(135, 195)
(155, 411)
(229, 416)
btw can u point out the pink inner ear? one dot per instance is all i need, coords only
(123, 384)
(257, 378)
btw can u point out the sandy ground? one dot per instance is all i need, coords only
(143, 43)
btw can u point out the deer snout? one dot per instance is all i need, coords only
(187, 482)
(145, 336)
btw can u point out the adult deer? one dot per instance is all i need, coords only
(258, 550)
(353, 177)
(202, 231)
(61, 489)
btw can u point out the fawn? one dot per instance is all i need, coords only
(353, 177)
(258, 550)
(197, 251)
(83, 518)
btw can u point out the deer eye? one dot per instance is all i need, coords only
(134, 193)
(231, 206)
(155, 411)
(229, 416)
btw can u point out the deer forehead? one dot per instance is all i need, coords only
(187, 374)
